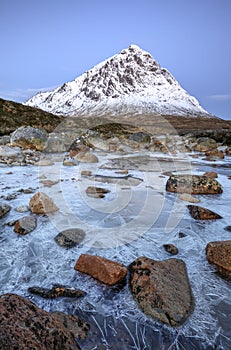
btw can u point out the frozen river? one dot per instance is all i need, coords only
(134, 219)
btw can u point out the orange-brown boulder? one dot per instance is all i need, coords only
(40, 203)
(104, 270)
(219, 254)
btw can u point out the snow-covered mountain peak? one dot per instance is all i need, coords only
(129, 82)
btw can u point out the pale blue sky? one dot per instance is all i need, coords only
(47, 42)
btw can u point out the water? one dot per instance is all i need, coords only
(131, 221)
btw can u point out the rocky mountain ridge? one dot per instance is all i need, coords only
(129, 82)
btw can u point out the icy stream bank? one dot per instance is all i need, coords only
(131, 221)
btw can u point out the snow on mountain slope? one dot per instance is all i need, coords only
(129, 82)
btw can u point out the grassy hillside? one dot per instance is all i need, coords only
(14, 115)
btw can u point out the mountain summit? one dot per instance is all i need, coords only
(131, 82)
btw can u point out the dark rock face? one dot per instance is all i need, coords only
(162, 289)
(104, 270)
(200, 213)
(4, 209)
(194, 184)
(23, 325)
(25, 225)
(56, 291)
(70, 238)
(29, 137)
(219, 254)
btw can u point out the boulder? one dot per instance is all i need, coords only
(219, 254)
(200, 213)
(193, 184)
(204, 144)
(25, 225)
(70, 238)
(162, 289)
(40, 203)
(23, 325)
(29, 137)
(4, 209)
(104, 270)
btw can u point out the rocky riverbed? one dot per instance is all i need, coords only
(120, 199)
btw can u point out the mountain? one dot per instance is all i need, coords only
(14, 115)
(131, 82)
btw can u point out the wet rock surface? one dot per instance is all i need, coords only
(40, 203)
(105, 270)
(23, 325)
(56, 291)
(70, 238)
(219, 254)
(200, 213)
(193, 184)
(162, 289)
(4, 209)
(25, 225)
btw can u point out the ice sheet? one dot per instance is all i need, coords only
(129, 222)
